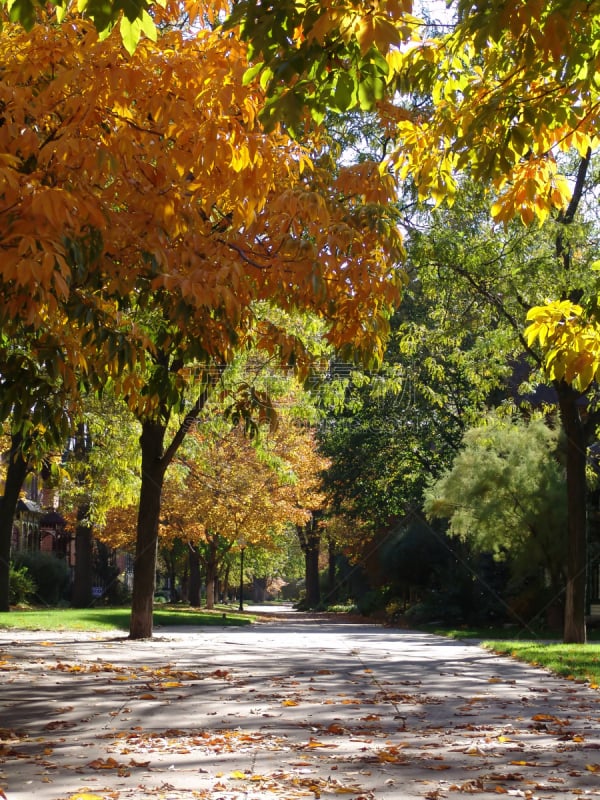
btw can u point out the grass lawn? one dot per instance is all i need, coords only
(574, 661)
(102, 619)
(541, 648)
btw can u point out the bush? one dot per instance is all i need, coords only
(21, 585)
(394, 610)
(435, 609)
(50, 574)
(374, 601)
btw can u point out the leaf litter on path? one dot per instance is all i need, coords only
(366, 733)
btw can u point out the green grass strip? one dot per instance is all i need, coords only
(577, 662)
(102, 619)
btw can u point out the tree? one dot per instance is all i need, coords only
(100, 473)
(231, 491)
(199, 215)
(221, 495)
(505, 493)
(509, 87)
(510, 272)
(501, 79)
(37, 408)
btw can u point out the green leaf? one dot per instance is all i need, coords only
(148, 26)
(345, 91)
(252, 72)
(22, 11)
(132, 9)
(130, 34)
(61, 11)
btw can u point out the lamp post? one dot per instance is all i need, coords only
(242, 544)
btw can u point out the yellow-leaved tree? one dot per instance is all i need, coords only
(227, 494)
(147, 213)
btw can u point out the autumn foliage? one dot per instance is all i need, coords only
(150, 174)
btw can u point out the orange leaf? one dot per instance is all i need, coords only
(335, 728)
(314, 743)
(100, 763)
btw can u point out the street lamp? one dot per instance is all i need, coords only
(242, 544)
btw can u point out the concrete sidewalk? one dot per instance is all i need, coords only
(290, 708)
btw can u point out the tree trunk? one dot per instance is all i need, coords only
(82, 582)
(576, 458)
(310, 542)
(194, 580)
(311, 563)
(226, 586)
(144, 574)
(211, 574)
(15, 476)
(331, 576)
(259, 590)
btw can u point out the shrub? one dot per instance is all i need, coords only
(50, 574)
(374, 601)
(21, 585)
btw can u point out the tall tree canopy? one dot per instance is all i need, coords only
(146, 215)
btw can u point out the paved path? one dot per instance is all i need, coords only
(291, 708)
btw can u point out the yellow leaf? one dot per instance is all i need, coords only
(85, 796)
(593, 767)
(289, 703)
(314, 743)
(238, 775)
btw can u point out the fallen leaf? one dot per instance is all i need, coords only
(81, 796)
(315, 743)
(475, 751)
(100, 763)
(335, 728)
